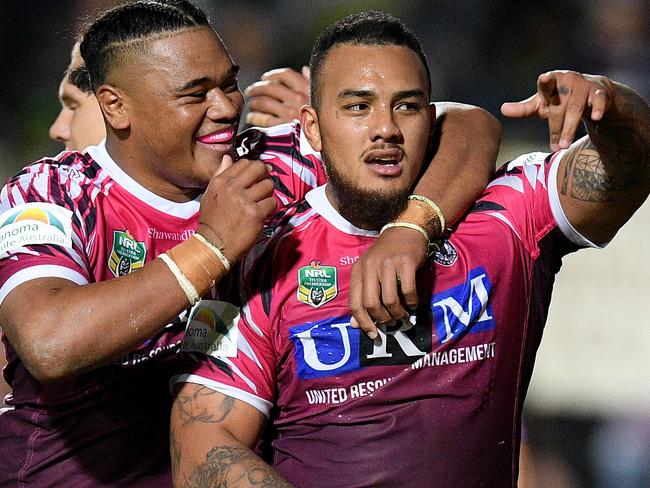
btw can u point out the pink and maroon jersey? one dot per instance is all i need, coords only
(80, 217)
(437, 401)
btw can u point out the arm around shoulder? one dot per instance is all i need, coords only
(466, 143)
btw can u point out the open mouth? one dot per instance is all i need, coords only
(385, 162)
(384, 157)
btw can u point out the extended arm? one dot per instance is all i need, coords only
(60, 329)
(211, 440)
(605, 177)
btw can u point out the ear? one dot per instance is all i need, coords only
(310, 126)
(111, 101)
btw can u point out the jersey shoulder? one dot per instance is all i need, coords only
(66, 180)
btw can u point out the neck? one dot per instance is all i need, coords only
(144, 172)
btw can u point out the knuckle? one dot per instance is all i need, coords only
(392, 304)
(374, 310)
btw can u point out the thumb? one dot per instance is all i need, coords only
(518, 110)
(226, 162)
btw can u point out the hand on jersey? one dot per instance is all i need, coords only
(277, 97)
(382, 283)
(235, 205)
(564, 98)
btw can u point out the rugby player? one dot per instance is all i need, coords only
(105, 251)
(436, 400)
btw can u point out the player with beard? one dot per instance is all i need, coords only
(435, 401)
(118, 242)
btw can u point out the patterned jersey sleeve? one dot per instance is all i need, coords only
(524, 195)
(42, 229)
(229, 350)
(236, 354)
(296, 167)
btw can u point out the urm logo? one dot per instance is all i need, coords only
(464, 309)
(331, 347)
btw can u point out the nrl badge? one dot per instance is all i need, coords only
(212, 329)
(316, 284)
(127, 254)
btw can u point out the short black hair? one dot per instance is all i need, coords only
(371, 28)
(104, 41)
(80, 78)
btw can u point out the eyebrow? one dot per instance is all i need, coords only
(356, 94)
(66, 99)
(232, 73)
(409, 94)
(368, 93)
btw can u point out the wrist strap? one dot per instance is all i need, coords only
(187, 286)
(407, 225)
(434, 207)
(215, 250)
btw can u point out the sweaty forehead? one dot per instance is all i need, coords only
(382, 62)
(371, 67)
(173, 57)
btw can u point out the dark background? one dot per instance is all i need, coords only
(480, 52)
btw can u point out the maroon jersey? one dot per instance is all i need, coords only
(78, 216)
(436, 401)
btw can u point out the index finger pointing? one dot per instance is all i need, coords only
(523, 109)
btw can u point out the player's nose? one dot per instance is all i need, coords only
(60, 128)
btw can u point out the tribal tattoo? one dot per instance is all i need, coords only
(605, 175)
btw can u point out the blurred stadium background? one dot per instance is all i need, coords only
(588, 408)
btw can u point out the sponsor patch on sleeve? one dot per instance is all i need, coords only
(35, 223)
(212, 329)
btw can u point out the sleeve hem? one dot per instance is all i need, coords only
(258, 403)
(34, 272)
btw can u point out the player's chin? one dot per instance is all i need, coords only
(387, 184)
(211, 163)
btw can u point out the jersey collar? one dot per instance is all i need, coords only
(183, 210)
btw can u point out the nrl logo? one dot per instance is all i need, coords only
(316, 284)
(127, 254)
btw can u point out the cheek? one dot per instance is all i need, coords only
(237, 99)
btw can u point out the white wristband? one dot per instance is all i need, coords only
(185, 284)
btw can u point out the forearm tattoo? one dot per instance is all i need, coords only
(192, 407)
(233, 466)
(605, 175)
